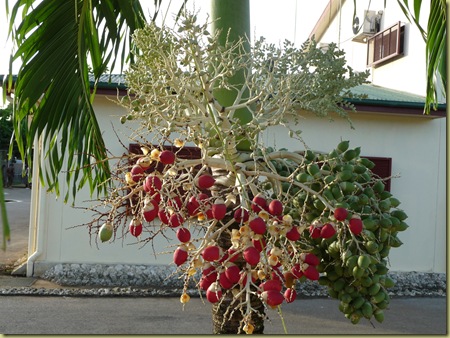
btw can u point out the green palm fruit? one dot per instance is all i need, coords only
(379, 315)
(342, 146)
(347, 187)
(357, 302)
(344, 175)
(367, 310)
(310, 155)
(366, 162)
(400, 214)
(366, 282)
(350, 154)
(314, 170)
(394, 202)
(374, 289)
(371, 246)
(402, 226)
(378, 187)
(359, 169)
(363, 261)
(379, 297)
(339, 284)
(357, 272)
(352, 262)
(370, 224)
(345, 298)
(106, 231)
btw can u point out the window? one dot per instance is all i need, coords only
(383, 168)
(386, 45)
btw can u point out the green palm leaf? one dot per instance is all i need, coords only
(59, 45)
(435, 36)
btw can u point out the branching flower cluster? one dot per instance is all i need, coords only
(252, 221)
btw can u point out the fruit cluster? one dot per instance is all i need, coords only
(329, 221)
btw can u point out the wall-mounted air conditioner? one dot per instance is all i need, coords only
(369, 27)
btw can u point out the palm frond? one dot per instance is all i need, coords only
(435, 36)
(59, 44)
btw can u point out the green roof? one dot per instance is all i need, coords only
(377, 95)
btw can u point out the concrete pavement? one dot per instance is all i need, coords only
(18, 210)
(153, 315)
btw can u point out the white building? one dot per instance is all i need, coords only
(389, 124)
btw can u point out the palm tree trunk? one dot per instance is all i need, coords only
(227, 319)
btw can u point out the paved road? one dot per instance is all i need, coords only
(117, 315)
(18, 210)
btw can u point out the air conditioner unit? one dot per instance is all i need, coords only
(369, 27)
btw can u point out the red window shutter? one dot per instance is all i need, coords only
(383, 168)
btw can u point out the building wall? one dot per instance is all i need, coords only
(416, 146)
(406, 73)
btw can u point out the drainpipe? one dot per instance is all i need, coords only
(36, 215)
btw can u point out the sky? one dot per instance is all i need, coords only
(288, 19)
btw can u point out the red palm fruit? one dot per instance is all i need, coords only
(258, 225)
(214, 293)
(137, 172)
(311, 273)
(166, 157)
(224, 282)
(355, 225)
(259, 244)
(271, 284)
(135, 227)
(241, 215)
(311, 259)
(251, 255)
(175, 220)
(297, 271)
(293, 234)
(205, 283)
(144, 162)
(314, 231)
(150, 211)
(211, 253)
(276, 273)
(180, 255)
(210, 273)
(163, 216)
(175, 202)
(218, 210)
(205, 181)
(224, 257)
(209, 213)
(233, 273)
(289, 279)
(192, 206)
(152, 184)
(275, 208)
(156, 197)
(259, 203)
(233, 255)
(327, 231)
(183, 235)
(340, 214)
(272, 298)
(290, 295)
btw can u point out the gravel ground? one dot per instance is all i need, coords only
(148, 280)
